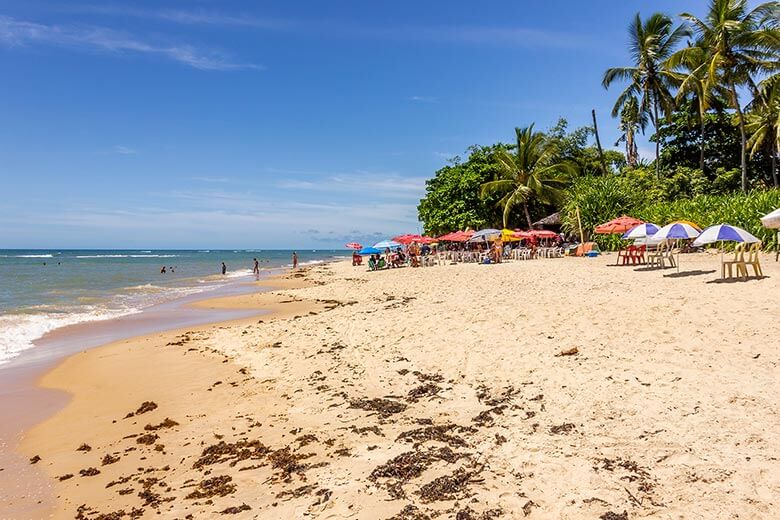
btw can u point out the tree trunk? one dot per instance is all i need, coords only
(701, 151)
(775, 153)
(527, 215)
(598, 143)
(657, 140)
(743, 137)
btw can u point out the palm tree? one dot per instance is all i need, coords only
(532, 170)
(763, 122)
(691, 71)
(651, 43)
(631, 120)
(740, 43)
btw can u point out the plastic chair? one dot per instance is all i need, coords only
(753, 260)
(738, 261)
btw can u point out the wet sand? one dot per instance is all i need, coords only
(560, 388)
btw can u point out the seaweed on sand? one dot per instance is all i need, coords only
(385, 407)
(234, 510)
(146, 406)
(564, 429)
(410, 512)
(109, 459)
(447, 487)
(609, 515)
(411, 464)
(441, 433)
(425, 390)
(234, 452)
(288, 462)
(167, 423)
(216, 486)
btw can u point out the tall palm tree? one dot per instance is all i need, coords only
(763, 122)
(631, 121)
(741, 43)
(651, 43)
(691, 72)
(532, 170)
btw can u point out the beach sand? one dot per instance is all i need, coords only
(559, 388)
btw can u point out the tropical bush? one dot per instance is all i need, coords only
(601, 199)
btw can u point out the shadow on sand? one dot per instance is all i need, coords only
(686, 274)
(738, 280)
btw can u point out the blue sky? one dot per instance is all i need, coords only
(275, 124)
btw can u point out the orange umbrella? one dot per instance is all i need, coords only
(618, 225)
(543, 233)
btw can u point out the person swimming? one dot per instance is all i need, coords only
(224, 268)
(163, 270)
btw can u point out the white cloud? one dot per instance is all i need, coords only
(17, 33)
(123, 150)
(423, 99)
(368, 184)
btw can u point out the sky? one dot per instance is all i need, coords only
(276, 124)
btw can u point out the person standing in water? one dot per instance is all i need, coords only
(224, 268)
(256, 268)
(295, 260)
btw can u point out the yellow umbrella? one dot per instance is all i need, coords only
(692, 224)
(508, 235)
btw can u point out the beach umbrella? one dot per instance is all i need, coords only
(771, 220)
(678, 231)
(385, 244)
(507, 235)
(407, 239)
(617, 225)
(369, 251)
(543, 233)
(353, 245)
(645, 230)
(724, 233)
(485, 234)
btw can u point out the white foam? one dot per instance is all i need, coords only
(126, 256)
(18, 331)
(34, 256)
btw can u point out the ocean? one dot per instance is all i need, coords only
(42, 290)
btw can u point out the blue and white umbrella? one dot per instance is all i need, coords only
(676, 230)
(485, 234)
(724, 233)
(645, 230)
(385, 244)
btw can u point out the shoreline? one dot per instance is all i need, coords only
(27, 403)
(435, 392)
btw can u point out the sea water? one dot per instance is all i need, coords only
(42, 290)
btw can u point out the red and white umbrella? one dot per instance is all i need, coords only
(353, 245)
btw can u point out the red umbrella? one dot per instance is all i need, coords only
(457, 236)
(353, 245)
(542, 233)
(522, 235)
(407, 239)
(618, 225)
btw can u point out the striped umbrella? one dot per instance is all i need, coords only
(645, 230)
(724, 233)
(676, 231)
(385, 244)
(353, 245)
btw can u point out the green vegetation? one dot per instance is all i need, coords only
(689, 80)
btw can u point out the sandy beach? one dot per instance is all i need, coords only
(558, 388)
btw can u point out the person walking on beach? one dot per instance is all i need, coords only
(295, 260)
(224, 268)
(256, 268)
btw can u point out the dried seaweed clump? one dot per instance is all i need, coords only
(109, 459)
(609, 515)
(148, 438)
(441, 433)
(234, 452)
(234, 510)
(146, 406)
(410, 512)
(288, 462)
(89, 472)
(429, 389)
(562, 429)
(167, 423)
(385, 407)
(469, 514)
(211, 487)
(412, 464)
(447, 487)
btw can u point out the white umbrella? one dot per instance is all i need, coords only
(724, 233)
(676, 230)
(771, 220)
(484, 234)
(645, 230)
(384, 244)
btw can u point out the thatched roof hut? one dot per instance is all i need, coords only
(550, 221)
